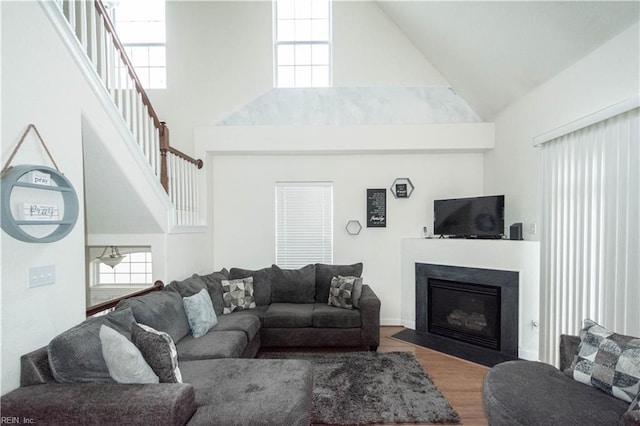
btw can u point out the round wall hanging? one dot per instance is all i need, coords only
(35, 208)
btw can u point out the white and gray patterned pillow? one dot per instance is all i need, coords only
(124, 361)
(159, 351)
(200, 313)
(343, 291)
(608, 361)
(238, 295)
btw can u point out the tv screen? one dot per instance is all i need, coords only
(477, 217)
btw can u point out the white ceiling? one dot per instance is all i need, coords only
(493, 53)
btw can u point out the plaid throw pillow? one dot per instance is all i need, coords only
(608, 361)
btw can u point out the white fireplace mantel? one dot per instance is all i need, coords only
(519, 256)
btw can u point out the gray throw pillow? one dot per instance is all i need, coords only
(325, 273)
(124, 361)
(341, 292)
(262, 283)
(608, 361)
(200, 313)
(159, 351)
(214, 286)
(75, 356)
(294, 285)
(238, 295)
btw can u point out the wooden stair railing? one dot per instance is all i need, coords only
(110, 304)
(176, 171)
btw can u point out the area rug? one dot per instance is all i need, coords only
(356, 388)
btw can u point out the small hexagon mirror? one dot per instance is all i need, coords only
(353, 227)
(402, 188)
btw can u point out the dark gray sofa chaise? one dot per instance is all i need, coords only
(535, 393)
(221, 386)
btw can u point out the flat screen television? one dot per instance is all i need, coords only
(475, 217)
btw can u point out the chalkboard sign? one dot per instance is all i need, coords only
(376, 208)
(401, 190)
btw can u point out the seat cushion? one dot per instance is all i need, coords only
(534, 393)
(213, 345)
(251, 392)
(162, 310)
(325, 316)
(288, 315)
(249, 324)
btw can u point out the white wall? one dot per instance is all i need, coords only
(220, 58)
(33, 92)
(243, 192)
(370, 50)
(608, 75)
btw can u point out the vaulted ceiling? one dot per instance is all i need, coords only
(493, 53)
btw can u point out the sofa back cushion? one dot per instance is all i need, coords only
(293, 285)
(262, 283)
(214, 286)
(187, 287)
(75, 356)
(162, 310)
(325, 273)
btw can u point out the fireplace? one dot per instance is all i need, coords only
(466, 312)
(471, 313)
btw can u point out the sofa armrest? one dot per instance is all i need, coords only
(568, 349)
(370, 318)
(101, 403)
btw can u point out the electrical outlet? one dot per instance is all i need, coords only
(42, 275)
(533, 228)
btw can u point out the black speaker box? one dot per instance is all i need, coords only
(515, 231)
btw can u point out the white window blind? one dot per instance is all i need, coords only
(304, 223)
(591, 236)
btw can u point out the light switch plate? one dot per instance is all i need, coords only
(42, 275)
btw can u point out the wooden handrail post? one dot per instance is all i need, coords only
(164, 148)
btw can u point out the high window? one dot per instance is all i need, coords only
(304, 223)
(140, 25)
(302, 33)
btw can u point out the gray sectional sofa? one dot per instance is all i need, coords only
(68, 382)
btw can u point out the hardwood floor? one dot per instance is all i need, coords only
(460, 381)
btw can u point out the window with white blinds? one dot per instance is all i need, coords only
(304, 223)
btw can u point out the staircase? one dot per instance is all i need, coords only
(90, 34)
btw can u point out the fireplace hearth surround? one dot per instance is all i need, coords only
(471, 313)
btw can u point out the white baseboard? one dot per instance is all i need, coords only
(528, 354)
(389, 322)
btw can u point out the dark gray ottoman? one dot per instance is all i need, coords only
(250, 392)
(535, 393)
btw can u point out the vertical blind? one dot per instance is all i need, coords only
(304, 223)
(590, 234)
